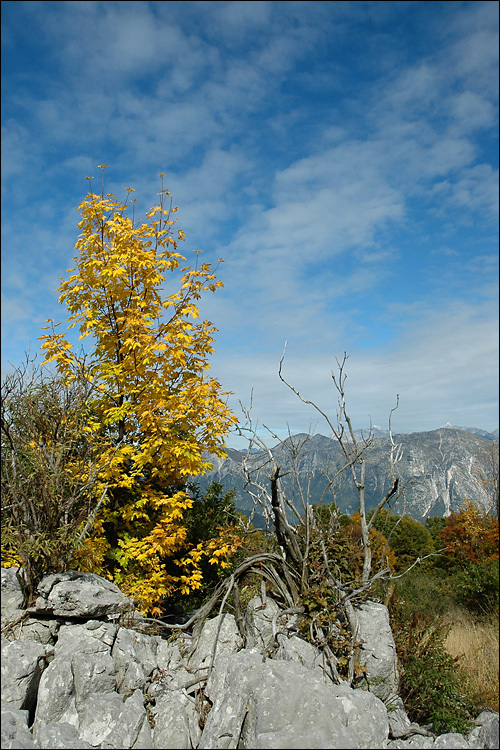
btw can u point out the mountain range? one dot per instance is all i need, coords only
(437, 470)
(380, 432)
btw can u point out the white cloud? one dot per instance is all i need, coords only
(327, 203)
(478, 189)
(305, 198)
(236, 20)
(443, 367)
(15, 155)
(471, 111)
(476, 55)
(413, 90)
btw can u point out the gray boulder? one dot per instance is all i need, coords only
(33, 629)
(22, 665)
(114, 721)
(27, 628)
(219, 635)
(10, 579)
(278, 704)
(84, 637)
(94, 684)
(366, 716)
(293, 648)
(60, 736)
(399, 723)
(259, 622)
(378, 650)
(56, 699)
(485, 735)
(180, 667)
(80, 595)
(134, 657)
(172, 673)
(176, 722)
(12, 596)
(450, 740)
(11, 606)
(415, 741)
(82, 666)
(15, 734)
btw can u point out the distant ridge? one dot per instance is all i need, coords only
(438, 470)
(379, 432)
(474, 430)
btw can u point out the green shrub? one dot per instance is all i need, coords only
(50, 452)
(429, 684)
(213, 509)
(476, 586)
(426, 592)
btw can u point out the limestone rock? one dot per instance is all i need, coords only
(85, 637)
(11, 606)
(92, 684)
(259, 622)
(366, 716)
(378, 650)
(60, 736)
(485, 735)
(15, 732)
(82, 666)
(113, 721)
(33, 629)
(228, 641)
(134, 656)
(10, 580)
(172, 673)
(399, 723)
(56, 699)
(12, 596)
(176, 722)
(22, 665)
(277, 704)
(297, 649)
(450, 740)
(415, 741)
(80, 595)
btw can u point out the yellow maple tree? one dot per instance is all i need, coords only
(159, 411)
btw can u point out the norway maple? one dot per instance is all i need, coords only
(159, 410)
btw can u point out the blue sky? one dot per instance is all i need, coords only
(342, 157)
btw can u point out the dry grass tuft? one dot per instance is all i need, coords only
(474, 645)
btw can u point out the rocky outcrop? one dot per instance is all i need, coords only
(79, 673)
(378, 650)
(93, 596)
(283, 704)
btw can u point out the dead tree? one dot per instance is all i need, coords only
(293, 523)
(355, 451)
(292, 517)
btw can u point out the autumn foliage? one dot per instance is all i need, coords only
(156, 412)
(470, 535)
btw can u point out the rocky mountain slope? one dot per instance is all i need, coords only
(437, 471)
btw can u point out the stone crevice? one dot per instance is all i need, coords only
(79, 680)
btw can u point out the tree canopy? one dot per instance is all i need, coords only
(159, 411)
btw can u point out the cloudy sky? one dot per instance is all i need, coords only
(342, 157)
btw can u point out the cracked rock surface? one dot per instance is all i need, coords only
(78, 672)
